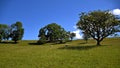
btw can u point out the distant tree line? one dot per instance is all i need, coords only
(94, 24)
(14, 32)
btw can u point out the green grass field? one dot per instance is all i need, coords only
(77, 54)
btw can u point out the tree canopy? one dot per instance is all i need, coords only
(4, 32)
(53, 33)
(71, 35)
(15, 32)
(99, 24)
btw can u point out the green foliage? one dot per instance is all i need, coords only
(15, 36)
(17, 31)
(52, 33)
(42, 40)
(99, 24)
(72, 35)
(86, 36)
(0, 37)
(4, 32)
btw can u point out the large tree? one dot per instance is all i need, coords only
(17, 31)
(52, 33)
(99, 24)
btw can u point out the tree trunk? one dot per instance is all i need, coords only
(98, 43)
(86, 41)
(15, 41)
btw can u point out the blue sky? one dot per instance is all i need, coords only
(35, 14)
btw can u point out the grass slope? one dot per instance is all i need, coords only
(76, 55)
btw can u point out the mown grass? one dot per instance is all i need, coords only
(76, 55)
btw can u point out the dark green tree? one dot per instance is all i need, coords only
(63, 36)
(4, 32)
(99, 24)
(52, 33)
(72, 35)
(42, 36)
(17, 31)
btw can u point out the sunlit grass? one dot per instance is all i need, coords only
(77, 54)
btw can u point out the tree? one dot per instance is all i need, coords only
(0, 37)
(52, 33)
(85, 36)
(42, 37)
(99, 24)
(71, 35)
(63, 36)
(4, 32)
(16, 31)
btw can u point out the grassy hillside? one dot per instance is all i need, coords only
(77, 54)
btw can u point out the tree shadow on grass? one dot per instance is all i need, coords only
(80, 47)
(8, 42)
(34, 44)
(83, 43)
